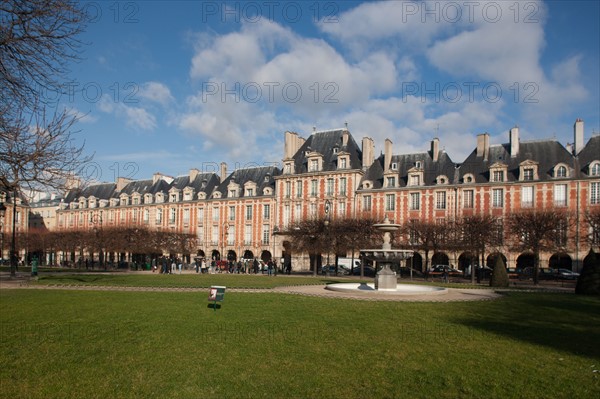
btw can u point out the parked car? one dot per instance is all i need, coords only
(369, 271)
(437, 270)
(566, 274)
(330, 270)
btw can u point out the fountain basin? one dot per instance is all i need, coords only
(401, 289)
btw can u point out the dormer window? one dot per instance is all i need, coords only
(561, 171)
(394, 166)
(498, 176)
(148, 198)
(173, 197)
(498, 172)
(595, 168)
(468, 178)
(202, 195)
(343, 163)
(216, 194)
(313, 165)
(418, 164)
(390, 181)
(268, 191)
(124, 200)
(249, 192)
(441, 180)
(335, 150)
(188, 194)
(528, 171)
(367, 184)
(160, 198)
(232, 193)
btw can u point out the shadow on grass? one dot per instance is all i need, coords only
(563, 322)
(214, 306)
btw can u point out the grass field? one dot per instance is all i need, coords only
(109, 344)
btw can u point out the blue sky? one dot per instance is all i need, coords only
(169, 86)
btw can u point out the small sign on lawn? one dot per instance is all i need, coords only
(216, 294)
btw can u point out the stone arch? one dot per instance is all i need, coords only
(560, 260)
(266, 255)
(200, 254)
(465, 260)
(231, 255)
(248, 254)
(415, 261)
(215, 255)
(526, 259)
(440, 258)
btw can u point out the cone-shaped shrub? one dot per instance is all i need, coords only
(499, 274)
(588, 282)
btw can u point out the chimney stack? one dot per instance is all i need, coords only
(483, 145)
(122, 182)
(435, 149)
(387, 155)
(345, 135)
(368, 150)
(578, 136)
(514, 141)
(193, 174)
(223, 175)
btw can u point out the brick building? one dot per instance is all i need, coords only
(237, 215)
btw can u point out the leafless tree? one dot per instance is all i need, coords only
(592, 218)
(426, 236)
(476, 233)
(352, 234)
(311, 236)
(537, 231)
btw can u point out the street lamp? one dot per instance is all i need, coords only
(326, 223)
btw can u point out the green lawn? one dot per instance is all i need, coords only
(90, 344)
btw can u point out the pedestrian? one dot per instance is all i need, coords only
(270, 267)
(173, 266)
(179, 265)
(255, 264)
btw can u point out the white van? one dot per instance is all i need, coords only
(346, 263)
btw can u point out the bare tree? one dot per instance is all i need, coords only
(537, 231)
(311, 236)
(476, 233)
(593, 220)
(426, 236)
(352, 234)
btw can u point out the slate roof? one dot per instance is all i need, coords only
(547, 153)
(589, 153)
(324, 143)
(431, 170)
(109, 190)
(255, 174)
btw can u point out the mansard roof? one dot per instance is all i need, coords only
(405, 162)
(547, 153)
(148, 186)
(255, 174)
(324, 142)
(589, 153)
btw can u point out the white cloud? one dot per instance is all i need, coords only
(135, 117)
(156, 92)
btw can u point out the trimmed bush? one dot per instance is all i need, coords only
(499, 275)
(588, 282)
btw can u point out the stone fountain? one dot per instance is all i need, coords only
(386, 281)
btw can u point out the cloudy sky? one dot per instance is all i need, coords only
(169, 86)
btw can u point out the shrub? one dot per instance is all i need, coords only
(588, 282)
(499, 275)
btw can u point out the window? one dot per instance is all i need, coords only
(159, 216)
(214, 235)
(415, 201)
(298, 212)
(146, 215)
(343, 163)
(313, 210)
(595, 193)
(394, 166)
(232, 193)
(200, 215)
(468, 199)
(343, 186)
(249, 192)
(314, 165)
(342, 208)
(299, 189)
(186, 215)
(135, 215)
(527, 197)
(248, 234)
(528, 174)
(440, 200)
(366, 203)
(329, 189)
(231, 213)
(498, 176)
(136, 200)
(414, 180)
(561, 234)
(390, 202)
(560, 195)
(266, 234)
(288, 189)
(266, 211)
(561, 171)
(595, 169)
(313, 188)
(248, 212)
(390, 181)
(215, 214)
(497, 198)
(173, 197)
(286, 215)
(230, 235)
(172, 214)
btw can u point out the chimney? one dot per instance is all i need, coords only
(578, 136)
(483, 145)
(193, 174)
(223, 174)
(156, 177)
(368, 149)
(435, 149)
(289, 144)
(345, 135)
(122, 182)
(387, 157)
(514, 141)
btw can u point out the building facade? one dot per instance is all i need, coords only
(238, 215)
